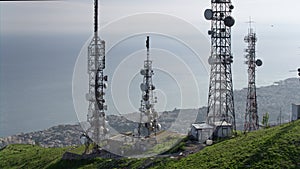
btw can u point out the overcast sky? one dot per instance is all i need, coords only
(40, 42)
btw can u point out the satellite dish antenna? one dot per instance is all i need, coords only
(229, 21)
(105, 78)
(153, 87)
(146, 97)
(143, 87)
(208, 14)
(210, 60)
(143, 72)
(258, 62)
(105, 85)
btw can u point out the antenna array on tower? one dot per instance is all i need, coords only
(97, 84)
(251, 115)
(220, 110)
(148, 116)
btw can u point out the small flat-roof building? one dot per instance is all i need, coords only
(295, 112)
(202, 132)
(222, 129)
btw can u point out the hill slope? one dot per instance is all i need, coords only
(277, 147)
(275, 99)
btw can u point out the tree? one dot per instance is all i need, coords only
(265, 120)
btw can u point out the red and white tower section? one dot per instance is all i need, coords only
(251, 115)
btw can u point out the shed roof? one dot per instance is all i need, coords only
(222, 123)
(202, 126)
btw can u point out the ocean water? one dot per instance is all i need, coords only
(35, 81)
(36, 77)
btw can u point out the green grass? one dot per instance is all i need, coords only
(277, 147)
(178, 147)
(29, 156)
(167, 142)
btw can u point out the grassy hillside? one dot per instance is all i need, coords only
(277, 147)
(28, 156)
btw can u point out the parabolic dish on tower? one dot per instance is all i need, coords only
(258, 62)
(208, 14)
(229, 21)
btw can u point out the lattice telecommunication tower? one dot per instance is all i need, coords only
(97, 130)
(251, 115)
(220, 96)
(148, 115)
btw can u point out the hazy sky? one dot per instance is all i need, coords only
(40, 42)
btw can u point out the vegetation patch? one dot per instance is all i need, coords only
(276, 147)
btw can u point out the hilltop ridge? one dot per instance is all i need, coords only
(276, 147)
(272, 99)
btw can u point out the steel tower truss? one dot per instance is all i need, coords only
(220, 97)
(251, 116)
(148, 100)
(96, 65)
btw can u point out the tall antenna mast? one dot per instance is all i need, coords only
(148, 115)
(97, 130)
(220, 112)
(96, 16)
(251, 115)
(148, 47)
